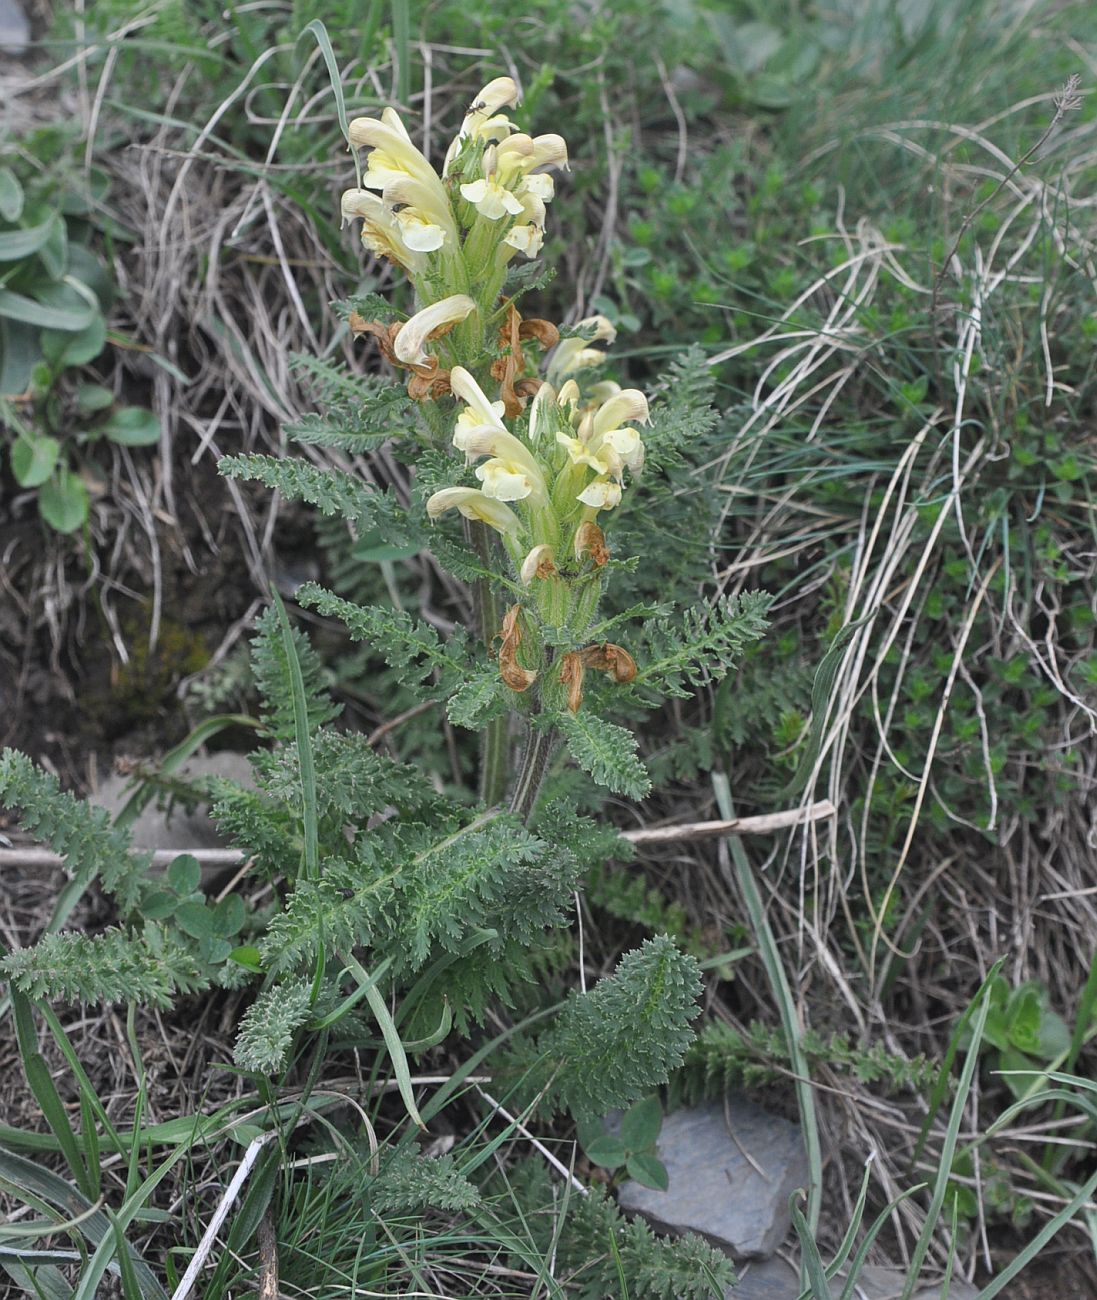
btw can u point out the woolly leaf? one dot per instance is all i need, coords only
(272, 676)
(700, 644)
(269, 1024)
(623, 1038)
(82, 833)
(333, 491)
(410, 1183)
(110, 967)
(606, 751)
(478, 699)
(406, 644)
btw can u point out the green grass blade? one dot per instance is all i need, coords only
(952, 1133)
(782, 992)
(391, 1036)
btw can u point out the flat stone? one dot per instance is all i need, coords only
(14, 28)
(180, 828)
(776, 1279)
(732, 1169)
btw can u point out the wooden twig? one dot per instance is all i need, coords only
(763, 824)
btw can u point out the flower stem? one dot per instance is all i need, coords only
(535, 762)
(493, 739)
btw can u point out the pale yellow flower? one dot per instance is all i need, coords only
(410, 345)
(539, 563)
(526, 239)
(381, 234)
(509, 480)
(473, 504)
(601, 494)
(571, 355)
(491, 200)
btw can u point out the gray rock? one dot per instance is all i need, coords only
(14, 28)
(775, 1279)
(179, 828)
(732, 1170)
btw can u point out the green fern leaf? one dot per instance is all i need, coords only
(606, 751)
(269, 1024)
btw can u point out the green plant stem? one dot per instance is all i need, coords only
(531, 775)
(493, 739)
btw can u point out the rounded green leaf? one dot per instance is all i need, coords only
(158, 904)
(63, 501)
(33, 459)
(15, 245)
(184, 874)
(228, 916)
(607, 1151)
(11, 195)
(649, 1170)
(93, 397)
(195, 919)
(588, 1131)
(133, 426)
(65, 349)
(641, 1123)
(247, 956)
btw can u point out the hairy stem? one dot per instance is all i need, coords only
(493, 739)
(535, 761)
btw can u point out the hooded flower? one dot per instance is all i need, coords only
(576, 353)
(473, 504)
(430, 323)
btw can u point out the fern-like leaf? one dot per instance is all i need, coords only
(700, 644)
(269, 1024)
(110, 967)
(332, 491)
(623, 1038)
(271, 671)
(79, 831)
(606, 751)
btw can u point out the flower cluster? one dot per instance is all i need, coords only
(569, 465)
(458, 230)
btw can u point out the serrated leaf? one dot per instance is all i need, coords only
(642, 1167)
(63, 502)
(133, 426)
(184, 874)
(607, 1151)
(641, 1123)
(606, 751)
(477, 700)
(33, 459)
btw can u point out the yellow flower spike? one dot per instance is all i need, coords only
(433, 321)
(473, 504)
(539, 563)
(601, 494)
(491, 199)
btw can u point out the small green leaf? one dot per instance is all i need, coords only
(15, 245)
(195, 919)
(184, 874)
(649, 1170)
(55, 316)
(133, 426)
(228, 916)
(215, 950)
(248, 957)
(641, 1123)
(11, 195)
(158, 905)
(93, 397)
(64, 348)
(607, 1151)
(588, 1131)
(33, 458)
(63, 501)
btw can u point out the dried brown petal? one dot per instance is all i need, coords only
(511, 671)
(572, 672)
(610, 658)
(589, 539)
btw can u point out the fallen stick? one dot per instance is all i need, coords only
(762, 824)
